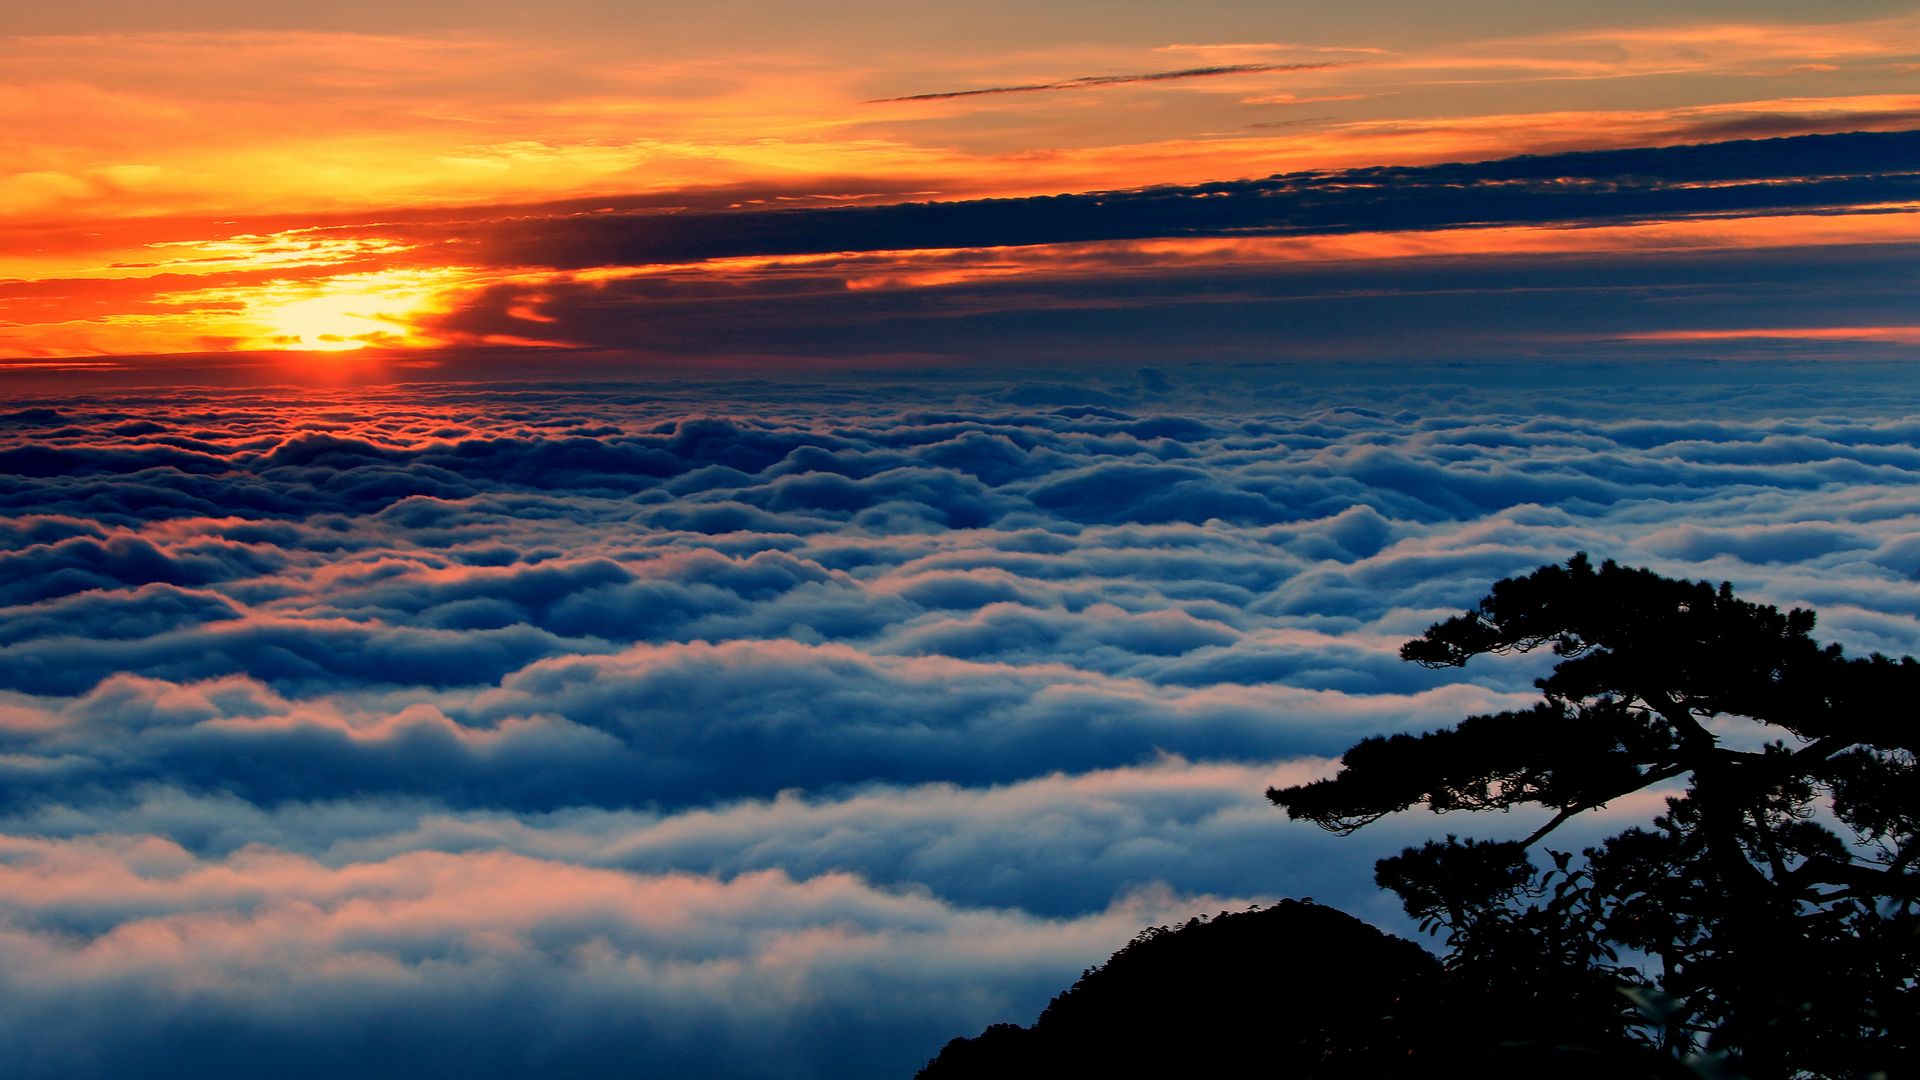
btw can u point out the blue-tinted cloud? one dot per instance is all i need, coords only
(580, 729)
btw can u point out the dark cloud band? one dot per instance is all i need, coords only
(1085, 82)
(1834, 172)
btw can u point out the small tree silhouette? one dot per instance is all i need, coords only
(1766, 921)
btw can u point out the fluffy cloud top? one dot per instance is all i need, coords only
(785, 730)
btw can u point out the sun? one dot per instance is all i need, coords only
(331, 324)
(350, 311)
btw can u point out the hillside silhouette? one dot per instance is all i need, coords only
(1297, 989)
(1296, 985)
(1767, 925)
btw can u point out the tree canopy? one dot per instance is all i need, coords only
(1765, 922)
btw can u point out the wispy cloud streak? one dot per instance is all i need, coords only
(1087, 82)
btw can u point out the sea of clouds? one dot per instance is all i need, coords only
(783, 728)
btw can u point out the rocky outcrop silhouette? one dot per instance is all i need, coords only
(1298, 988)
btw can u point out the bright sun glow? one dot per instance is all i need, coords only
(384, 309)
(353, 311)
(334, 323)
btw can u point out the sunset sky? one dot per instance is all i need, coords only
(748, 540)
(703, 182)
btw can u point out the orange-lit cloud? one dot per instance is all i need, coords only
(134, 125)
(1893, 335)
(1745, 49)
(884, 270)
(1301, 99)
(329, 312)
(303, 290)
(245, 175)
(110, 125)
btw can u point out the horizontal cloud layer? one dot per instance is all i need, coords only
(1802, 245)
(496, 964)
(1851, 170)
(788, 729)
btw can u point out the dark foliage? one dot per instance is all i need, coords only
(1293, 990)
(1295, 986)
(1766, 922)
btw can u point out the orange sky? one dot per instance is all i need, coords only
(222, 183)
